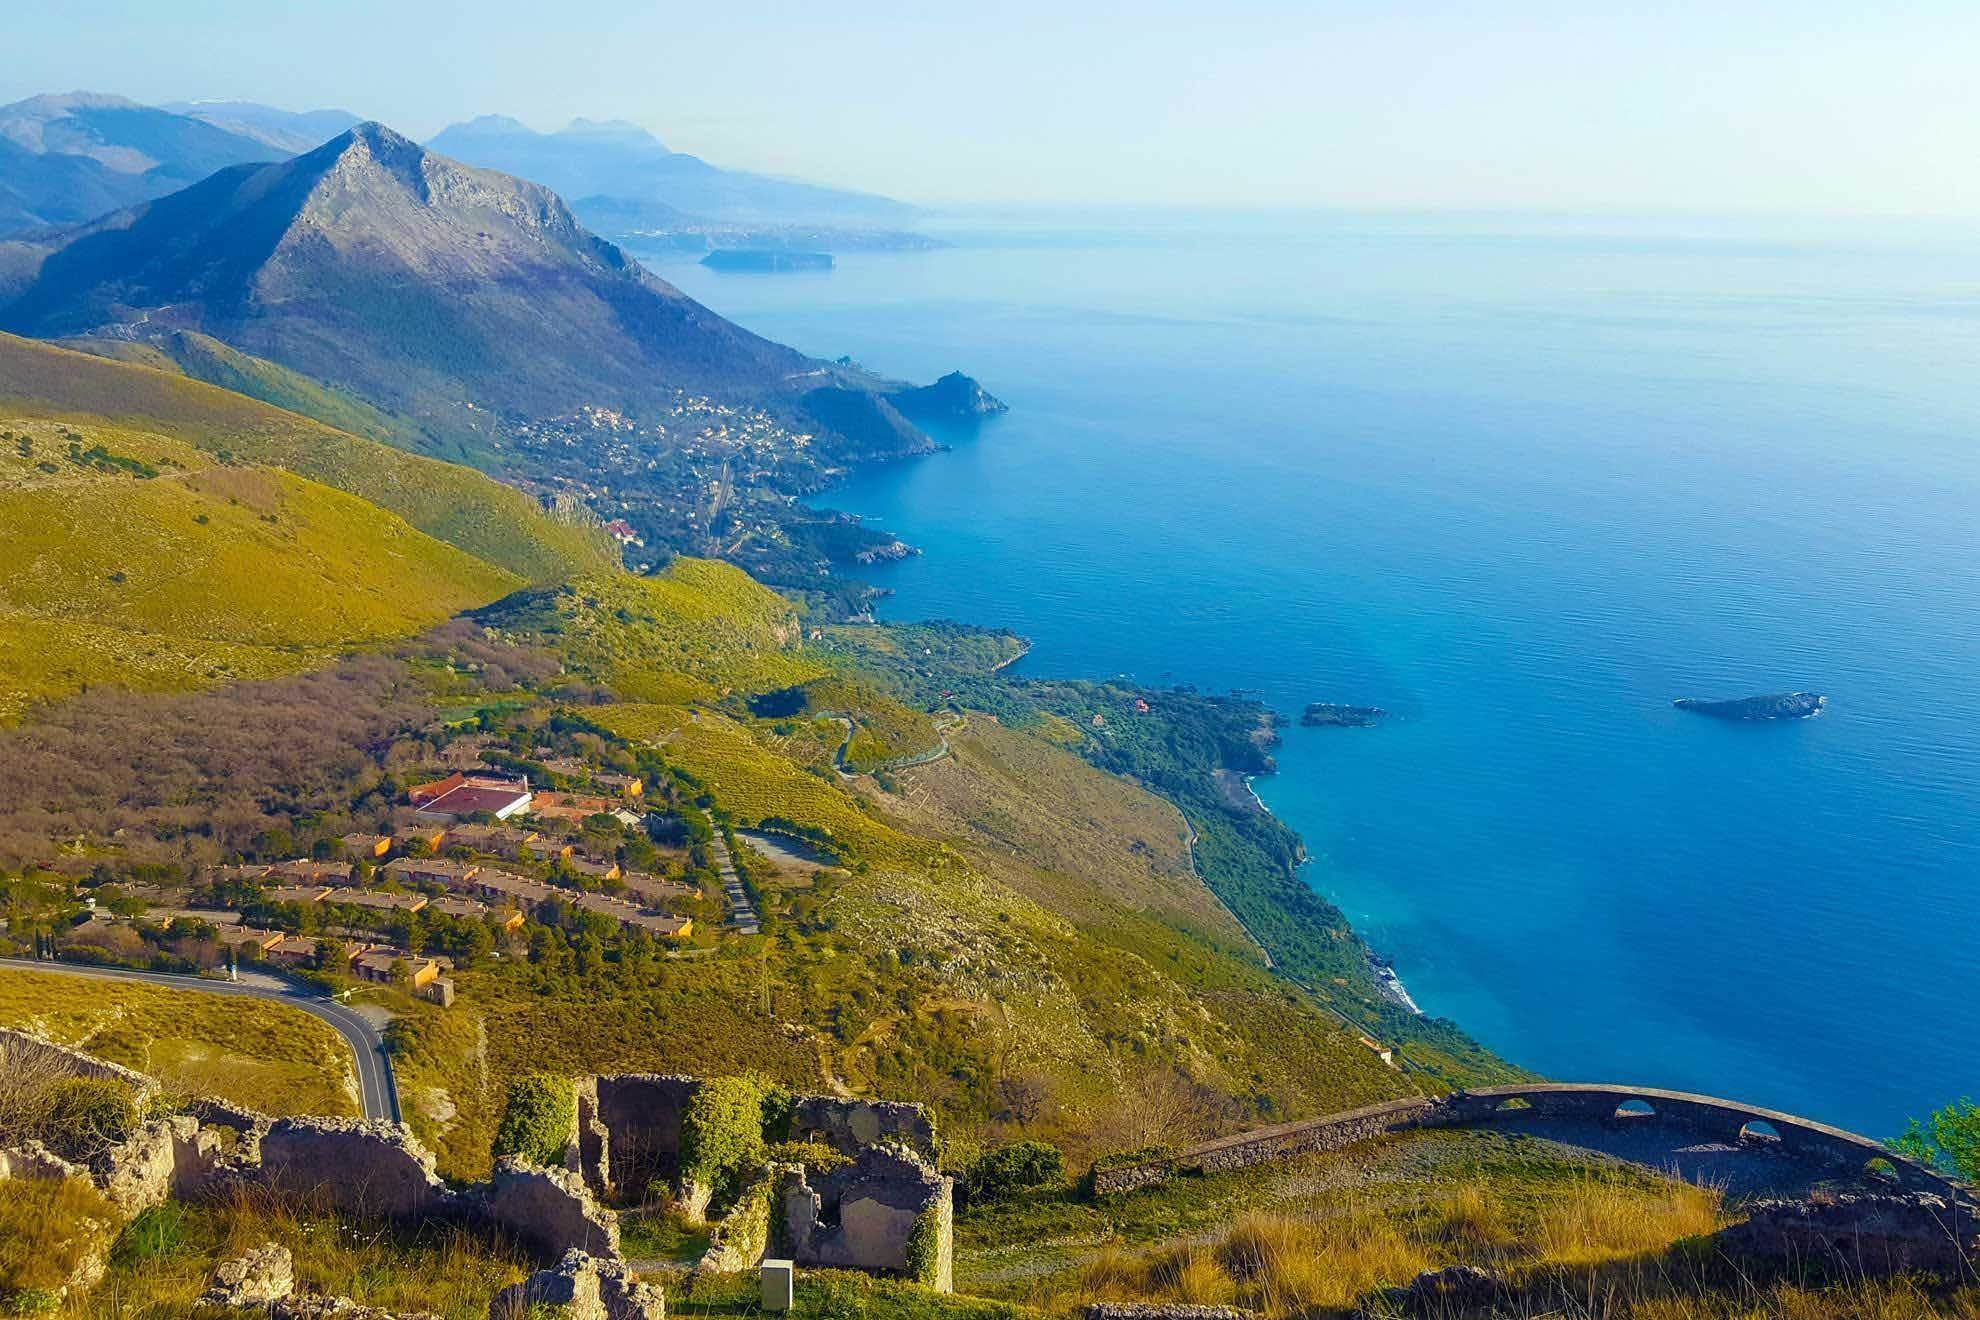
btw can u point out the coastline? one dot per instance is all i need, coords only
(1382, 973)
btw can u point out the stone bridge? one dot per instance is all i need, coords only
(1699, 1117)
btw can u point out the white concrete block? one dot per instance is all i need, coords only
(779, 1281)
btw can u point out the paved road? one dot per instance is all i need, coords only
(742, 913)
(377, 1090)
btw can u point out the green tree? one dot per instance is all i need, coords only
(1949, 1140)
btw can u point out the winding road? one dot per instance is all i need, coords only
(378, 1093)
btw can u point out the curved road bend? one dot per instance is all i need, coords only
(377, 1091)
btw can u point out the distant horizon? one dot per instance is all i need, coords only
(982, 207)
(1807, 109)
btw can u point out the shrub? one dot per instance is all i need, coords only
(924, 1247)
(815, 1156)
(1022, 1166)
(538, 1119)
(1948, 1141)
(722, 1130)
(86, 1116)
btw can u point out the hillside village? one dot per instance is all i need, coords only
(477, 856)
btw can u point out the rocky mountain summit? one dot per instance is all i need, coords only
(433, 289)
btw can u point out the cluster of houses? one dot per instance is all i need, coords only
(441, 860)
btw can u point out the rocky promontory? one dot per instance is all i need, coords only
(1780, 706)
(955, 396)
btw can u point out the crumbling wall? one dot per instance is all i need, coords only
(848, 1125)
(362, 1166)
(19, 1049)
(551, 1210)
(170, 1157)
(629, 1127)
(582, 1287)
(640, 1114)
(887, 1210)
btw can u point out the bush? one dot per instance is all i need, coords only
(722, 1130)
(538, 1120)
(815, 1156)
(86, 1116)
(1022, 1166)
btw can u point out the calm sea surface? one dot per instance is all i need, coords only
(1521, 482)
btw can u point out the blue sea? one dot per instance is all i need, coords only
(1520, 481)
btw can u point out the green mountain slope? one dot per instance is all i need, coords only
(452, 504)
(202, 357)
(135, 559)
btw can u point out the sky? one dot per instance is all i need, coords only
(1815, 106)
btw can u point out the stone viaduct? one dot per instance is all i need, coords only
(1703, 1117)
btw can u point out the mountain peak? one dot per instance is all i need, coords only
(493, 125)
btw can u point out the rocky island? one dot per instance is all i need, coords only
(1780, 706)
(765, 260)
(1327, 715)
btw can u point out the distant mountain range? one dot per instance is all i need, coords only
(293, 131)
(619, 165)
(69, 158)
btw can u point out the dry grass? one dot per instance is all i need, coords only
(1601, 1222)
(1280, 1265)
(48, 1230)
(167, 1257)
(1472, 1221)
(1591, 1238)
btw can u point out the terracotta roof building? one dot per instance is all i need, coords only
(500, 798)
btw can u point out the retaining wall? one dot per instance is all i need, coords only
(1707, 1117)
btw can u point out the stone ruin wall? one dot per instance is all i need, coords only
(628, 1129)
(864, 1216)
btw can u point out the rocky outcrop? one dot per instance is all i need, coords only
(551, 1210)
(1781, 706)
(582, 1287)
(1327, 715)
(361, 1166)
(1862, 1234)
(263, 1277)
(954, 397)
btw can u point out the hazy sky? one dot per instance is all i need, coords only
(1813, 105)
